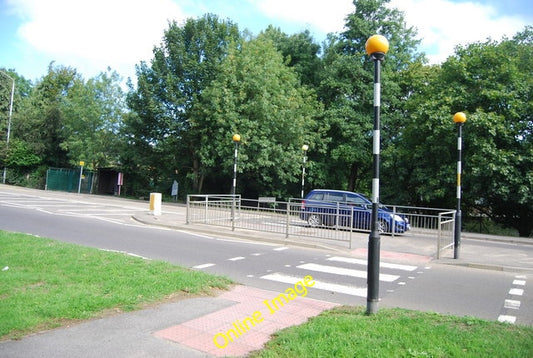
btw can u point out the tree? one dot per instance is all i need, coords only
(9, 106)
(44, 117)
(93, 114)
(183, 66)
(258, 97)
(347, 90)
(492, 83)
(299, 52)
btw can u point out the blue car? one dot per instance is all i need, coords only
(345, 208)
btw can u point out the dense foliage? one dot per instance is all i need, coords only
(207, 81)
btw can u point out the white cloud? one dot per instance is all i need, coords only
(97, 33)
(442, 24)
(325, 16)
(91, 35)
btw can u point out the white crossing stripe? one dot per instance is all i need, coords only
(203, 266)
(236, 258)
(346, 272)
(519, 282)
(364, 262)
(282, 248)
(349, 290)
(512, 304)
(506, 319)
(516, 291)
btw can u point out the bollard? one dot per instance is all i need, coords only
(155, 203)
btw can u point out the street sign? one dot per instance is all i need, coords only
(174, 188)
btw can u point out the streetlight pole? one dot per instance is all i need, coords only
(459, 118)
(9, 118)
(236, 140)
(305, 147)
(376, 46)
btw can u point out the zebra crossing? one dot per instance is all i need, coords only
(331, 273)
(327, 277)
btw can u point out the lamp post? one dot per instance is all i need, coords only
(459, 118)
(376, 46)
(236, 140)
(305, 147)
(9, 118)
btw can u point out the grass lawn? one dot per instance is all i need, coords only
(349, 332)
(50, 283)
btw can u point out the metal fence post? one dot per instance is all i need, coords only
(206, 209)
(351, 228)
(439, 233)
(393, 220)
(187, 221)
(288, 219)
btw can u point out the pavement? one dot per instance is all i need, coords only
(237, 322)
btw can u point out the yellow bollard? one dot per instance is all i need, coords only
(155, 203)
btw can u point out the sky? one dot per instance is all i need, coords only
(91, 36)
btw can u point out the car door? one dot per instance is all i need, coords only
(343, 210)
(360, 210)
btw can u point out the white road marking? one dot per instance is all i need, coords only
(281, 248)
(519, 282)
(364, 262)
(512, 304)
(346, 272)
(349, 290)
(203, 266)
(516, 291)
(507, 319)
(126, 253)
(236, 258)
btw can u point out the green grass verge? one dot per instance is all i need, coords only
(349, 332)
(49, 283)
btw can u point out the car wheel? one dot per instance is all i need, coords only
(383, 226)
(314, 220)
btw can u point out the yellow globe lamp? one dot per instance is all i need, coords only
(236, 138)
(376, 43)
(305, 147)
(459, 117)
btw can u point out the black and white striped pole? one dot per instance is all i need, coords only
(459, 118)
(305, 147)
(236, 140)
(376, 46)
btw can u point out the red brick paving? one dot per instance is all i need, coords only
(199, 333)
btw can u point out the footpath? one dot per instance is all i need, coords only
(198, 327)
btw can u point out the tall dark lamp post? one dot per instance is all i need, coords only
(305, 147)
(376, 46)
(459, 118)
(9, 118)
(236, 140)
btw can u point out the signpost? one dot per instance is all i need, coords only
(82, 163)
(120, 180)
(174, 192)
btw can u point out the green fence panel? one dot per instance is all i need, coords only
(64, 179)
